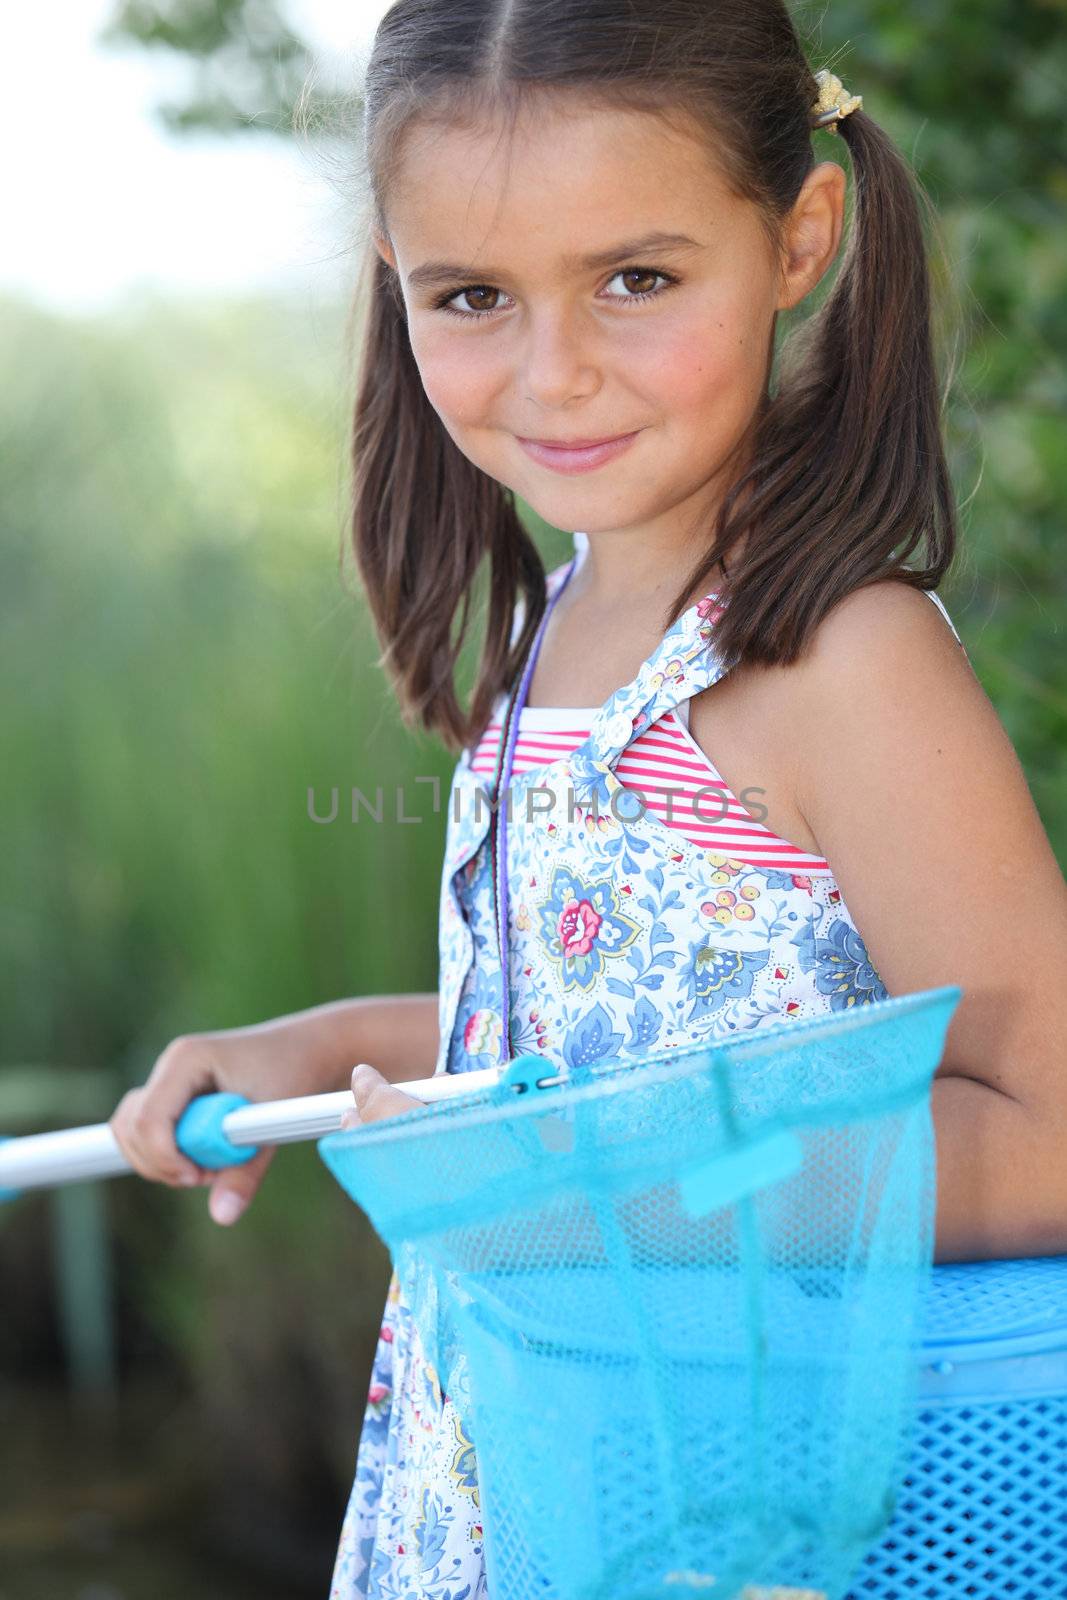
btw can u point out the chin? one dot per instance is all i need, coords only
(598, 505)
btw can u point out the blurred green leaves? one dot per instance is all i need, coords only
(182, 662)
(246, 64)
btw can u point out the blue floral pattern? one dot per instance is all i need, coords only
(582, 929)
(625, 936)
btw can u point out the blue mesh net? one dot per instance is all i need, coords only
(685, 1289)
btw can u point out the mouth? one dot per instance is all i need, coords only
(576, 455)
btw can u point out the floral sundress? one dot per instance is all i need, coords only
(624, 937)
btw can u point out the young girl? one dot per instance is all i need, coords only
(745, 769)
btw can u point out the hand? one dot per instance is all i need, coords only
(376, 1098)
(259, 1062)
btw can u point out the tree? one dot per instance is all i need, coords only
(249, 66)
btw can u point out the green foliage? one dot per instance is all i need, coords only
(247, 66)
(188, 665)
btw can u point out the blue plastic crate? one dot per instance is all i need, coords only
(983, 1510)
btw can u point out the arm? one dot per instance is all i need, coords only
(1000, 1175)
(910, 784)
(396, 1033)
(304, 1053)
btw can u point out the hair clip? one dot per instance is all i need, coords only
(834, 101)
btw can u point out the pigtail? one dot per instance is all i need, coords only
(848, 475)
(423, 516)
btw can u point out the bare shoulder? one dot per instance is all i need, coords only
(763, 725)
(914, 790)
(885, 677)
(885, 685)
(875, 625)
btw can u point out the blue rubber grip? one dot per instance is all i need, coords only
(8, 1194)
(199, 1134)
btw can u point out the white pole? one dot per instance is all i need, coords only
(72, 1154)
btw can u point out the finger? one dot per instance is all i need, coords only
(233, 1187)
(163, 1098)
(376, 1098)
(150, 1155)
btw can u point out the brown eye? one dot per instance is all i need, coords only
(632, 279)
(640, 273)
(479, 297)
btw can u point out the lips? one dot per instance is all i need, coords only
(576, 455)
(574, 444)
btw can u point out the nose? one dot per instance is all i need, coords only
(560, 361)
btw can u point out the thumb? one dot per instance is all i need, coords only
(234, 1187)
(376, 1098)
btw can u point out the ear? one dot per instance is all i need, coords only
(812, 232)
(384, 248)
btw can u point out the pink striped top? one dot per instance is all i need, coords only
(665, 757)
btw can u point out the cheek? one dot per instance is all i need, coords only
(458, 377)
(709, 370)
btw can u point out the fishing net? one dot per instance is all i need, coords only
(686, 1290)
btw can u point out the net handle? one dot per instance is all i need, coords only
(215, 1130)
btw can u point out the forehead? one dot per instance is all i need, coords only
(560, 180)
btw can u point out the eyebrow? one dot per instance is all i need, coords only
(434, 274)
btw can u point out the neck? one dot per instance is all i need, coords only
(639, 569)
(622, 572)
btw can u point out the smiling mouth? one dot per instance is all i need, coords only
(581, 455)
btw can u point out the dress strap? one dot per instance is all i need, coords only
(940, 604)
(554, 578)
(684, 663)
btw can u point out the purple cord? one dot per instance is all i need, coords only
(500, 817)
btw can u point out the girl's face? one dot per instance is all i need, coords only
(528, 336)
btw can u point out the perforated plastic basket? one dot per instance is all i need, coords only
(685, 1288)
(982, 1512)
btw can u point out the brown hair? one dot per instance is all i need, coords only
(846, 474)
